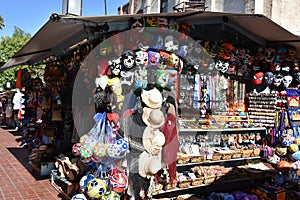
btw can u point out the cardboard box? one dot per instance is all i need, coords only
(46, 168)
(278, 195)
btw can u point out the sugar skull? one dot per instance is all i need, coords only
(153, 58)
(269, 78)
(277, 79)
(258, 78)
(287, 80)
(269, 55)
(141, 57)
(151, 21)
(128, 59)
(281, 54)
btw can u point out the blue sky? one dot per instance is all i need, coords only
(31, 15)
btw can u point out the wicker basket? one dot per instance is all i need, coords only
(256, 152)
(170, 186)
(236, 155)
(209, 179)
(198, 181)
(246, 153)
(197, 159)
(226, 156)
(216, 156)
(183, 160)
(157, 189)
(184, 184)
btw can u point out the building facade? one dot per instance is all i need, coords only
(282, 12)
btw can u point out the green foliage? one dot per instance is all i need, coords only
(2, 24)
(8, 47)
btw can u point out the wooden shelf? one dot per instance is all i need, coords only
(218, 161)
(220, 129)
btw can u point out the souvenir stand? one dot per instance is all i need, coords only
(168, 108)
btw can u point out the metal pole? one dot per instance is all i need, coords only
(105, 10)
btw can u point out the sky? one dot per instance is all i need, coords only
(31, 15)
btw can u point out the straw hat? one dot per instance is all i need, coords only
(148, 164)
(152, 98)
(153, 117)
(153, 139)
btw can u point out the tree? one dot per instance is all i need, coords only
(8, 47)
(2, 24)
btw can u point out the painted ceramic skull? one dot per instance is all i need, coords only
(141, 57)
(269, 78)
(277, 79)
(287, 80)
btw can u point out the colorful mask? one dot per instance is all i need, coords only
(164, 57)
(141, 57)
(153, 58)
(138, 24)
(269, 55)
(287, 80)
(162, 22)
(269, 78)
(171, 44)
(173, 61)
(258, 78)
(151, 21)
(277, 79)
(128, 59)
(281, 54)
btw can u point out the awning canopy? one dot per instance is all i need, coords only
(61, 32)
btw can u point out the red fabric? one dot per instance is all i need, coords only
(18, 81)
(171, 146)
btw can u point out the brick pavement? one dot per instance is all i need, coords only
(17, 180)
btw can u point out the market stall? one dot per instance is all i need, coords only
(163, 105)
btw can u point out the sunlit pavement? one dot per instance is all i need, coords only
(17, 179)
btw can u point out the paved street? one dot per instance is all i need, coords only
(18, 180)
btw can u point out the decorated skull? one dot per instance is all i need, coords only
(287, 80)
(141, 57)
(269, 78)
(128, 59)
(270, 55)
(277, 79)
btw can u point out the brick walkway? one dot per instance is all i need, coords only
(17, 179)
